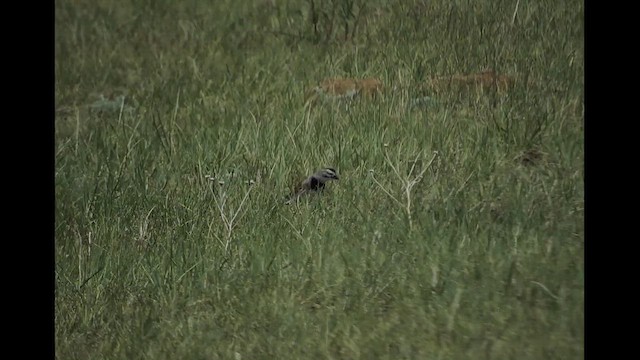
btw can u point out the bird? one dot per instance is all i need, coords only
(314, 183)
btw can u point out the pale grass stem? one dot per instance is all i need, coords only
(407, 183)
(541, 285)
(143, 229)
(453, 310)
(515, 13)
(230, 223)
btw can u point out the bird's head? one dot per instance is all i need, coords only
(327, 174)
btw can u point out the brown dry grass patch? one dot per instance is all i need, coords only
(487, 79)
(347, 88)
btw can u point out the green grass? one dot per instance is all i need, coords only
(482, 258)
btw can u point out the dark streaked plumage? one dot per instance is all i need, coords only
(314, 183)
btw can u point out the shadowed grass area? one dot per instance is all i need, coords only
(455, 231)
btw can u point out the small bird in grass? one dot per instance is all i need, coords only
(313, 184)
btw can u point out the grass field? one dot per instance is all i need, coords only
(455, 232)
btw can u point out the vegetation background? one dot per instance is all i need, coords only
(456, 231)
